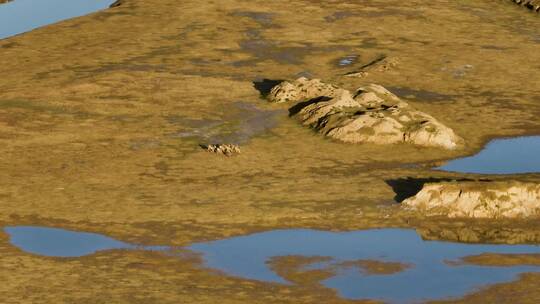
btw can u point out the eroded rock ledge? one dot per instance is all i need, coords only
(530, 4)
(371, 115)
(507, 199)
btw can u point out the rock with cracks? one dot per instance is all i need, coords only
(509, 199)
(300, 89)
(371, 115)
(224, 149)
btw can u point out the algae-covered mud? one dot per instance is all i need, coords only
(118, 124)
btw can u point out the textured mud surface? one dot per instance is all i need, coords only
(94, 114)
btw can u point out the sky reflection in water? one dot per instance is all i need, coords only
(21, 16)
(501, 156)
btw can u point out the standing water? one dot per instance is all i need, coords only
(428, 269)
(501, 156)
(21, 16)
(55, 242)
(435, 270)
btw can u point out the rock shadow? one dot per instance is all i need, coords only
(265, 86)
(116, 3)
(299, 106)
(410, 186)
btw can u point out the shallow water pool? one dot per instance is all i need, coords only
(56, 242)
(428, 269)
(501, 156)
(21, 16)
(434, 269)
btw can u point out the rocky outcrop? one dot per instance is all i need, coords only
(530, 4)
(225, 149)
(371, 115)
(509, 199)
(300, 90)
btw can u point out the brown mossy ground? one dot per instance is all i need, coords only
(89, 130)
(493, 259)
(292, 269)
(374, 267)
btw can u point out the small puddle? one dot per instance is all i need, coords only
(501, 156)
(347, 60)
(55, 242)
(21, 16)
(434, 269)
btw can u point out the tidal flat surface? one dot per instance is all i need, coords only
(77, 95)
(21, 16)
(435, 269)
(501, 156)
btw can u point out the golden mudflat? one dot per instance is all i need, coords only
(101, 118)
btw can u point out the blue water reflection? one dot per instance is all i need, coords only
(501, 156)
(21, 16)
(430, 277)
(56, 242)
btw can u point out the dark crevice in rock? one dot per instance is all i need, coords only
(265, 86)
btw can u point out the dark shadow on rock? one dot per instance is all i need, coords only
(410, 186)
(116, 3)
(265, 86)
(299, 106)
